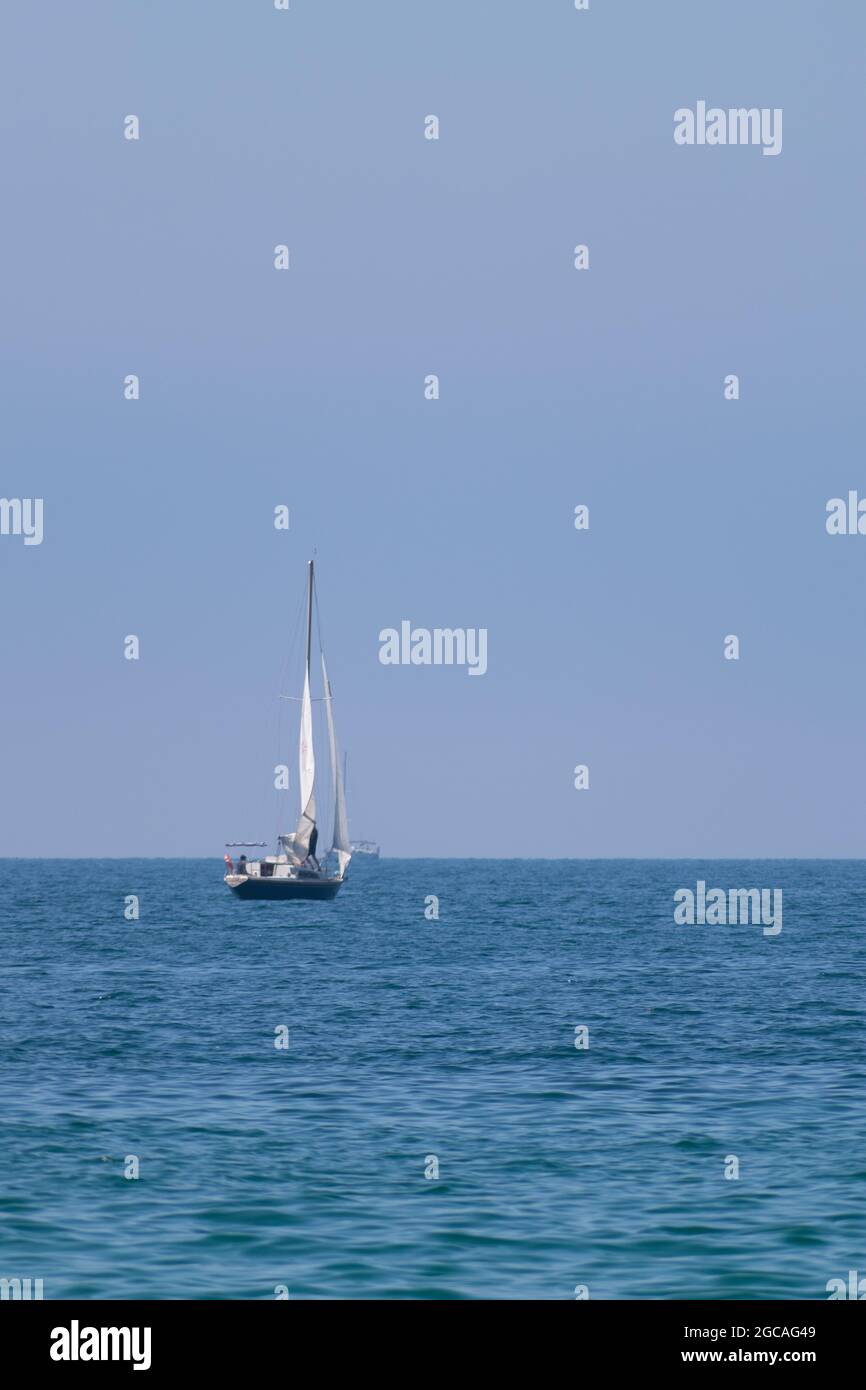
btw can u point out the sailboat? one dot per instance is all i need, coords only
(295, 871)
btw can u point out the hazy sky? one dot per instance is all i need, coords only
(558, 387)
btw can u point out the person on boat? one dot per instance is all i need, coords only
(311, 855)
(242, 864)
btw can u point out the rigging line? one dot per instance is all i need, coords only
(328, 697)
(318, 614)
(327, 788)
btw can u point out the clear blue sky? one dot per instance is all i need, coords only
(558, 387)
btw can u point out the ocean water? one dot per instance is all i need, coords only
(413, 1039)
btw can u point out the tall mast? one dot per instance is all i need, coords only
(309, 613)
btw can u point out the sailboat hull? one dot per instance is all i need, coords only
(287, 889)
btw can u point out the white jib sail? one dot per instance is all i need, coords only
(340, 843)
(306, 753)
(307, 765)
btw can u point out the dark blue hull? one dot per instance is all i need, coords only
(287, 889)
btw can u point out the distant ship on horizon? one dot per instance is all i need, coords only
(366, 849)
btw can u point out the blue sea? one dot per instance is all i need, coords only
(419, 1046)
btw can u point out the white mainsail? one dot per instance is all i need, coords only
(306, 751)
(340, 843)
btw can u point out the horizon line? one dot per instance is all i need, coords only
(469, 859)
